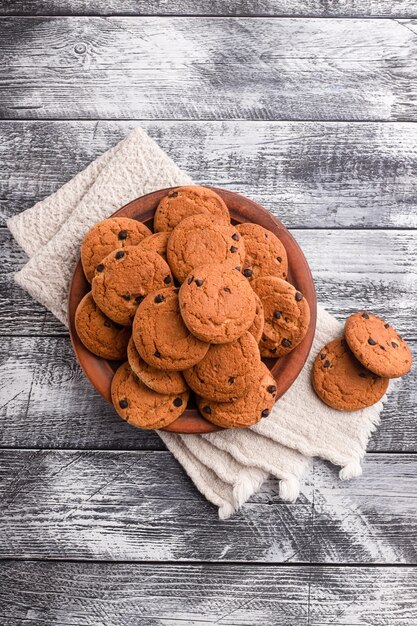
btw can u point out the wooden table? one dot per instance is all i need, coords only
(309, 107)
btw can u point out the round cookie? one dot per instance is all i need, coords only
(265, 254)
(124, 277)
(198, 240)
(156, 243)
(141, 406)
(190, 200)
(217, 303)
(109, 235)
(158, 380)
(377, 345)
(227, 371)
(247, 410)
(342, 382)
(257, 326)
(98, 333)
(286, 313)
(160, 335)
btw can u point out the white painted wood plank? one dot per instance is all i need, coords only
(309, 174)
(208, 68)
(139, 506)
(318, 8)
(85, 594)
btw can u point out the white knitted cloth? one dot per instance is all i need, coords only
(227, 467)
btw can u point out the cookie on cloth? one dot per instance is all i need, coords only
(156, 243)
(159, 380)
(124, 277)
(377, 345)
(160, 335)
(265, 254)
(217, 303)
(342, 382)
(247, 410)
(109, 235)
(141, 406)
(257, 326)
(227, 371)
(98, 333)
(286, 314)
(182, 202)
(198, 240)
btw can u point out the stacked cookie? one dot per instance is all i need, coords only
(353, 372)
(193, 307)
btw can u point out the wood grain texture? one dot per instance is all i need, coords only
(208, 68)
(352, 270)
(308, 8)
(42, 385)
(138, 506)
(88, 594)
(325, 175)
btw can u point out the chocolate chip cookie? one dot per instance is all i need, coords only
(198, 240)
(109, 235)
(247, 410)
(182, 202)
(377, 345)
(227, 371)
(159, 380)
(160, 335)
(286, 313)
(141, 406)
(217, 303)
(257, 326)
(124, 277)
(342, 382)
(157, 243)
(98, 333)
(265, 254)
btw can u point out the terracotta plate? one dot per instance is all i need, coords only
(285, 370)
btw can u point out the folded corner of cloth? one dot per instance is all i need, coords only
(227, 467)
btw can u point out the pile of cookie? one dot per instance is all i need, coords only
(193, 307)
(353, 372)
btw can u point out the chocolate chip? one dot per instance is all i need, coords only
(298, 296)
(235, 237)
(123, 404)
(190, 280)
(382, 347)
(327, 363)
(279, 259)
(365, 315)
(238, 268)
(247, 272)
(126, 297)
(100, 267)
(231, 380)
(177, 402)
(159, 298)
(174, 194)
(207, 409)
(119, 254)
(273, 350)
(139, 299)
(372, 342)
(394, 345)
(157, 354)
(108, 324)
(271, 389)
(287, 319)
(265, 413)
(227, 290)
(362, 374)
(322, 356)
(386, 325)
(233, 249)
(286, 343)
(167, 280)
(277, 315)
(199, 282)
(122, 234)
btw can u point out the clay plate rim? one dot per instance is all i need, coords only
(285, 370)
